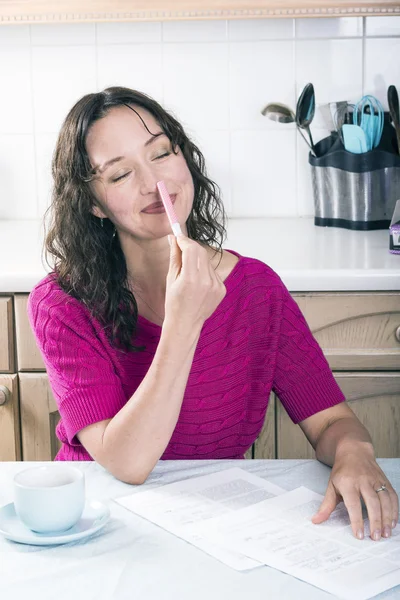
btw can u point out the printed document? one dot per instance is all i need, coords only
(177, 506)
(279, 533)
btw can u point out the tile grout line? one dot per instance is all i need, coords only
(34, 132)
(363, 57)
(162, 63)
(296, 149)
(228, 41)
(96, 54)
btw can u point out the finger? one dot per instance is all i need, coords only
(395, 506)
(373, 504)
(190, 257)
(175, 258)
(352, 502)
(386, 512)
(328, 505)
(393, 497)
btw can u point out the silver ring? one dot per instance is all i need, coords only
(381, 489)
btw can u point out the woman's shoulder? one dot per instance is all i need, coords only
(48, 297)
(253, 270)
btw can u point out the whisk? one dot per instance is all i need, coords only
(343, 115)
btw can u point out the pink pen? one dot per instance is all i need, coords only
(169, 208)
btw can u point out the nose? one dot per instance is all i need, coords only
(148, 180)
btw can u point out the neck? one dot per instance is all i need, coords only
(148, 263)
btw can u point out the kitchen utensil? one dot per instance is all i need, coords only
(342, 115)
(281, 113)
(327, 116)
(369, 115)
(393, 101)
(354, 138)
(305, 110)
(328, 112)
(336, 107)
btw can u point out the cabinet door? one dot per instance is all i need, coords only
(6, 335)
(357, 331)
(264, 446)
(28, 354)
(374, 398)
(39, 417)
(10, 438)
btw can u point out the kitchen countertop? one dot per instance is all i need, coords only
(307, 258)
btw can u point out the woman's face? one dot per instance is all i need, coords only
(129, 162)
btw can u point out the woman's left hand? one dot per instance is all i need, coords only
(357, 475)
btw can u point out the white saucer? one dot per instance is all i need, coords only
(95, 515)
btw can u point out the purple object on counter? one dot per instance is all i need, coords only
(394, 230)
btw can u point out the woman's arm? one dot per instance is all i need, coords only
(130, 444)
(334, 429)
(341, 441)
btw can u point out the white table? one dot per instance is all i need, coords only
(134, 559)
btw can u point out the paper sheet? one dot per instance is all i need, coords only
(279, 533)
(177, 506)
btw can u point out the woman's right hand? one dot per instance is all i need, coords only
(194, 289)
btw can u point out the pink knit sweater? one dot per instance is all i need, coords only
(255, 341)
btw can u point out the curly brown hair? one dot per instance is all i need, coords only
(87, 258)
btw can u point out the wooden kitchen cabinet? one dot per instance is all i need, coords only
(10, 433)
(374, 398)
(39, 417)
(7, 363)
(358, 330)
(265, 445)
(28, 354)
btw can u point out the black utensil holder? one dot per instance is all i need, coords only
(355, 191)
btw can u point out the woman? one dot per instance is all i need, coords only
(170, 350)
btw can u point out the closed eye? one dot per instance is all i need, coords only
(162, 155)
(126, 174)
(121, 177)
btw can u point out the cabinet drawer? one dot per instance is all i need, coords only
(373, 397)
(39, 417)
(10, 434)
(6, 335)
(357, 331)
(28, 354)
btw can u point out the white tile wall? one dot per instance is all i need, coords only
(60, 76)
(215, 76)
(255, 77)
(138, 66)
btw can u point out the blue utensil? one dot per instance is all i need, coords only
(354, 139)
(372, 121)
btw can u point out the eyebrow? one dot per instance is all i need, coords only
(108, 163)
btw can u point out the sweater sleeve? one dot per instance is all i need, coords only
(81, 372)
(303, 380)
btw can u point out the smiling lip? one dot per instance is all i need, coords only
(157, 207)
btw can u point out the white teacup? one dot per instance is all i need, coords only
(49, 498)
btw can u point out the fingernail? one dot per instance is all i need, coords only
(377, 535)
(387, 532)
(394, 524)
(169, 240)
(360, 534)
